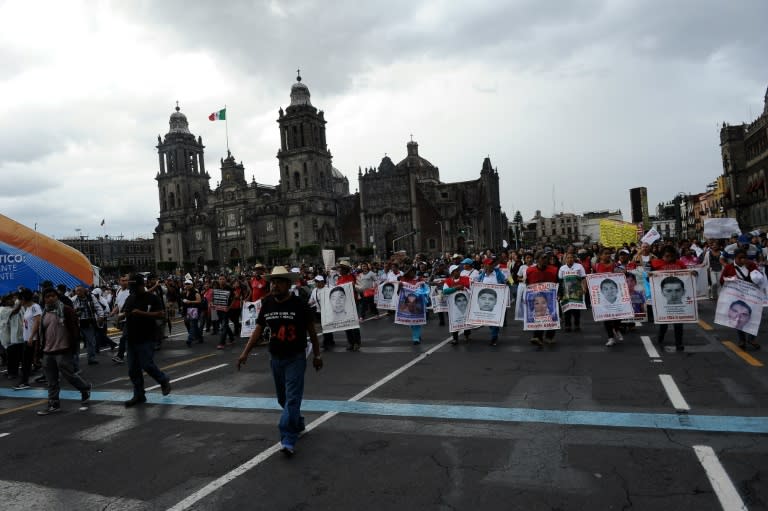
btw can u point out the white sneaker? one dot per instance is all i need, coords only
(619, 337)
(610, 342)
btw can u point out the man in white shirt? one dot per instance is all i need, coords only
(572, 268)
(120, 298)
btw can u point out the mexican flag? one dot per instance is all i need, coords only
(221, 115)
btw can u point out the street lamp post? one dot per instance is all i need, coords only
(442, 240)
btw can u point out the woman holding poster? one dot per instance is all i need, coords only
(571, 276)
(738, 310)
(411, 309)
(607, 294)
(671, 292)
(457, 304)
(541, 273)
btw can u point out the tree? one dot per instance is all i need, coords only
(279, 255)
(309, 250)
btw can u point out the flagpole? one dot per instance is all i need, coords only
(226, 126)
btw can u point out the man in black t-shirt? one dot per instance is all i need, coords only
(290, 320)
(142, 310)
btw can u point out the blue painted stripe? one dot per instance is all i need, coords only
(713, 423)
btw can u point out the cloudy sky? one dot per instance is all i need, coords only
(586, 97)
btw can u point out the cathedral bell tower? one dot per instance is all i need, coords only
(305, 162)
(183, 190)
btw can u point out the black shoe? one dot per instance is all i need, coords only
(135, 401)
(50, 409)
(680, 347)
(85, 396)
(494, 342)
(41, 379)
(166, 388)
(288, 450)
(454, 341)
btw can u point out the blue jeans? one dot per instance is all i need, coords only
(88, 332)
(494, 332)
(288, 374)
(141, 358)
(416, 333)
(193, 330)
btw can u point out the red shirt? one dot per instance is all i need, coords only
(259, 289)
(605, 268)
(659, 264)
(343, 279)
(464, 281)
(534, 275)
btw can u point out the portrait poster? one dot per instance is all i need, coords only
(702, 281)
(438, 299)
(573, 292)
(248, 318)
(386, 295)
(221, 299)
(674, 297)
(411, 305)
(740, 306)
(487, 304)
(520, 303)
(541, 309)
(609, 296)
(458, 306)
(637, 296)
(338, 310)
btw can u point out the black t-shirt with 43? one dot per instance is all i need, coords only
(287, 322)
(141, 328)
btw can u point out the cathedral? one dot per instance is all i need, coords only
(401, 206)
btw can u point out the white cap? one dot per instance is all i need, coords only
(452, 268)
(96, 291)
(188, 282)
(295, 270)
(320, 278)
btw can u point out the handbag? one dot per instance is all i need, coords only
(192, 313)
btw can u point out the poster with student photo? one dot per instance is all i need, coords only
(637, 297)
(458, 306)
(386, 295)
(520, 303)
(411, 306)
(338, 310)
(438, 299)
(740, 306)
(573, 292)
(248, 317)
(609, 296)
(674, 297)
(541, 308)
(488, 304)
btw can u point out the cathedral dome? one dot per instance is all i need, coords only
(300, 93)
(178, 122)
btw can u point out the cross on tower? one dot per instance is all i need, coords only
(298, 75)
(177, 105)
(411, 137)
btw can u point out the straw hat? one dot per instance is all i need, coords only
(279, 272)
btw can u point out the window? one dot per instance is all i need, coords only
(170, 251)
(443, 195)
(296, 180)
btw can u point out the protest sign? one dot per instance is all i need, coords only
(651, 236)
(248, 317)
(386, 295)
(720, 228)
(614, 233)
(438, 299)
(338, 310)
(573, 291)
(520, 303)
(458, 306)
(740, 306)
(221, 299)
(674, 297)
(609, 296)
(411, 306)
(541, 312)
(488, 304)
(636, 285)
(329, 258)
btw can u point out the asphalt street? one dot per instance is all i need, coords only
(573, 426)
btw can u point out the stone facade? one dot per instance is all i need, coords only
(311, 208)
(744, 150)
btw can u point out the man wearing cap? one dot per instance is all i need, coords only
(742, 242)
(353, 334)
(289, 320)
(469, 270)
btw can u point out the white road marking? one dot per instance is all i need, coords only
(153, 387)
(4, 434)
(726, 493)
(649, 347)
(674, 394)
(256, 460)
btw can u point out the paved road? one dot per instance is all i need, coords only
(570, 427)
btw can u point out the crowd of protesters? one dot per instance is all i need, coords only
(25, 315)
